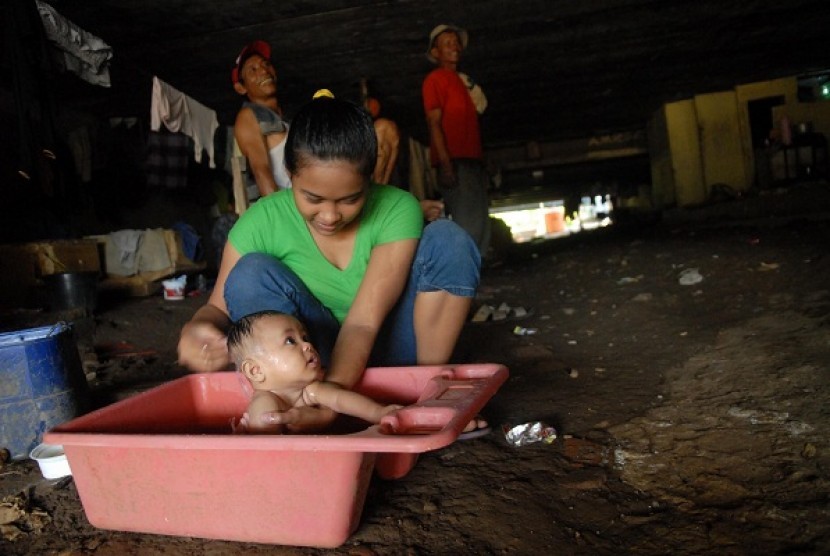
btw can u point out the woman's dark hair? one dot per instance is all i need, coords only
(332, 129)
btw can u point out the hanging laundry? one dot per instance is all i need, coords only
(180, 113)
(84, 54)
(167, 158)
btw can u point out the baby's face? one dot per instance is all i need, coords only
(285, 353)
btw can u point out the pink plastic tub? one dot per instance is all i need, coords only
(164, 461)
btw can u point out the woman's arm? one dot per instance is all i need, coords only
(202, 344)
(385, 278)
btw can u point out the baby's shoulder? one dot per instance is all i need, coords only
(312, 393)
(264, 400)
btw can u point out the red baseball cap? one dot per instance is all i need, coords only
(261, 48)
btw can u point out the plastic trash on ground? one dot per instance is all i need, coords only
(174, 287)
(529, 433)
(690, 277)
(522, 331)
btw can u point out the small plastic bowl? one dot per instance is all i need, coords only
(52, 461)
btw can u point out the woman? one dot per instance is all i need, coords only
(348, 257)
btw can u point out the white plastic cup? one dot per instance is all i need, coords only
(52, 461)
(173, 290)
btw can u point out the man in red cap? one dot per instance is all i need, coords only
(259, 129)
(455, 140)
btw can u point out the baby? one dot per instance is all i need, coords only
(274, 353)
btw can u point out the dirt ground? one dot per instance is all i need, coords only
(691, 419)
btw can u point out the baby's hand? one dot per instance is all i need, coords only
(386, 410)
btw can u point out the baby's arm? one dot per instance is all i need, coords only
(339, 399)
(264, 402)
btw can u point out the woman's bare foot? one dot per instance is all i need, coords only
(475, 428)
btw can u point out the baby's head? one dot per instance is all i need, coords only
(273, 351)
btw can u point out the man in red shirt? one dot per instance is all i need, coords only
(455, 140)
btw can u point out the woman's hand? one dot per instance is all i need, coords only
(304, 420)
(243, 426)
(203, 348)
(432, 209)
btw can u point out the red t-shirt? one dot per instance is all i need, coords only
(444, 89)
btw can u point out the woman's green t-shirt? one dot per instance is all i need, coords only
(274, 226)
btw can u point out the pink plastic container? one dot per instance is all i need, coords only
(165, 461)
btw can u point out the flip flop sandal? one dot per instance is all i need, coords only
(503, 313)
(475, 433)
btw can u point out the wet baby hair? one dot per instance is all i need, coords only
(239, 333)
(330, 129)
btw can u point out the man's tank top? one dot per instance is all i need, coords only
(270, 122)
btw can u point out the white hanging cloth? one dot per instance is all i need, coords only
(180, 113)
(84, 54)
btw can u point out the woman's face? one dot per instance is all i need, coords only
(329, 194)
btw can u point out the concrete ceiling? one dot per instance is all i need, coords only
(551, 69)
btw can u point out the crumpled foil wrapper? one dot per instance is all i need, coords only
(529, 433)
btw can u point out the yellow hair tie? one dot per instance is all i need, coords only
(323, 93)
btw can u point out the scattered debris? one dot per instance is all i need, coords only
(768, 266)
(504, 312)
(629, 280)
(123, 350)
(522, 331)
(583, 452)
(529, 433)
(18, 518)
(484, 312)
(690, 277)
(501, 312)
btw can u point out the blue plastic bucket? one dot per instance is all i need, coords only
(41, 385)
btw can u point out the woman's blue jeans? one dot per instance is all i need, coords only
(447, 259)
